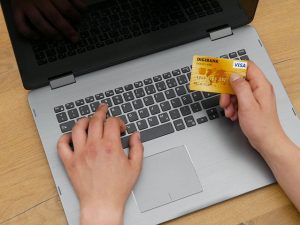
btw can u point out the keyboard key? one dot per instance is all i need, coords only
(165, 106)
(197, 96)
(157, 78)
(196, 107)
(174, 114)
(159, 97)
(211, 102)
(185, 110)
(189, 121)
(132, 116)
(244, 57)
(142, 124)
(148, 81)
(128, 87)
(139, 92)
(143, 113)
(152, 133)
(224, 56)
(115, 111)
(233, 55)
(161, 86)
(123, 117)
(131, 128)
(180, 90)
(128, 96)
(150, 89)
(70, 105)
(182, 79)
(117, 99)
(99, 96)
(212, 114)
(84, 110)
(138, 84)
(167, 75)
(179, 124)
(107, 101)
(119, 90)
(186, 99)
(171, 82)
(202, 120)
(242, 52)
(94, 106)
(176, 102)
(137, 104)
(58, 109)
(148, 100)
(209, 94)
(66, 127)
(185, 69)
(170, 94)
(73, 113)
(109, 93)
(189, 75)
(154, 109)
(89, 99)
(164, 117)
(79, 102)
(153, 121)
(176, 72)
(127, 107)
(61, 117)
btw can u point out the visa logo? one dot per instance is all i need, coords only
(240, 65)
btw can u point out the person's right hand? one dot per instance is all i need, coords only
(255, 107)
(51, 18)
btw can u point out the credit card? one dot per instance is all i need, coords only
(212, 74)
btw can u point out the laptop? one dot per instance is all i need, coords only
(136, 56)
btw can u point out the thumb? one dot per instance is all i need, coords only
(64, 150)
(242, 90)
(136, 151)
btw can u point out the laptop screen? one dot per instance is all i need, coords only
(60, 38)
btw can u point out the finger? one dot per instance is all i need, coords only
(23, 27)
(80, 4)
(67, 9)
(136, 151)
(79, 134)
(113, 128)
(40, 23)
(96, 125)
(64, 149)
(224, 100)
(229, 111)
(243, 92)
(60, 23)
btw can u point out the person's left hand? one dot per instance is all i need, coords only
(101, 173)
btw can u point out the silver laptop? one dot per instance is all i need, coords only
(194, 156)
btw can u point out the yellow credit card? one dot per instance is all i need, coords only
(212, 74)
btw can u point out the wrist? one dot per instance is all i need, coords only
(103, 215)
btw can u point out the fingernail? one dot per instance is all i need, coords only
(139, 135)
(234, 77)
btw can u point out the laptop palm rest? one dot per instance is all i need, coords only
(166, 177)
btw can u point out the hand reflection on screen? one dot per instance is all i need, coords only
(50, 18)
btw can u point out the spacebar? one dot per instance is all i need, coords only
(152, 133)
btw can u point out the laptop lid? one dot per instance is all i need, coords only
(115, 31)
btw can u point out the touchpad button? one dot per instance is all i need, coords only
(166, 177)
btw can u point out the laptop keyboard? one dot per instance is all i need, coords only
(156, 106)
(113, 21)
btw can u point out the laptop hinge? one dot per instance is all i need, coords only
(220, 33)
(62, 80)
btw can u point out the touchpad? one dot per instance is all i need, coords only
(166, 177)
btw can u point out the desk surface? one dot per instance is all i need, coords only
(27, 191)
